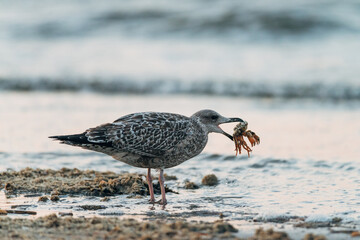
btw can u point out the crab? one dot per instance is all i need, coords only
(240, 131)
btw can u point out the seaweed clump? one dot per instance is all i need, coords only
(74, 182)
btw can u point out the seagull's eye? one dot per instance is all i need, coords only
(214, 117)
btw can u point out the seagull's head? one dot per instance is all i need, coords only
(211, 120)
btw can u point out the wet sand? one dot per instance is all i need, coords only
(55, 188)
(54, 227)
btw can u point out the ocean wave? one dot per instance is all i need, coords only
(249, 89)
(226, 21)
(192, 19)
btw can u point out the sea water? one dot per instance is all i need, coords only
(306, 165)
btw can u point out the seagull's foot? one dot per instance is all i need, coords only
(152, 200)
(162, 202)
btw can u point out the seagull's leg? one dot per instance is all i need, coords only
(162, 187)
(151, 189)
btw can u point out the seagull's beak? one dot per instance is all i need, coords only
(234, 120)
(229, 120)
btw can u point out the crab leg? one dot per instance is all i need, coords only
(240, 142)
(253, 138)
(244, 144)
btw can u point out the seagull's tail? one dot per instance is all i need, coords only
(75, 139)
(81, 140)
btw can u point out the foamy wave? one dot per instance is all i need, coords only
(334, 91)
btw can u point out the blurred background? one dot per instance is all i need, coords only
(273, 48)
(291, 69)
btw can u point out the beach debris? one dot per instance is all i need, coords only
(36, 182)
(222, 227)
(55, 192)
(54, 198)
(31, 195)
(269, 234)
(10, 211)
(336, 220)
(191, 185)
(240, 131)
(313, 224)
(24, 206)
(193, 206)
(64, 214)
(105, 199)
(169, 177)
(311, 236)
(43, 199)
(91, 207)
(8, 187)
(210, 180)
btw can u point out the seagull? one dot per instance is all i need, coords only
(149, 140)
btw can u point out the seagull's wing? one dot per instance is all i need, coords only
(148, 134)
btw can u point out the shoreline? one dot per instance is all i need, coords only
(35, 197)
(54, 227)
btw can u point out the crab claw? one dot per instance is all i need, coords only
(257, 138)
(253, 138)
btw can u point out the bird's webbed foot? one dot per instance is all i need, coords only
(161, 202)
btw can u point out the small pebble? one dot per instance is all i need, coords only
(3, 212)
(336, 220)
(92, 207)
(105, 199)
(54, 198)
(170, 177)
(311, 236)
(62, 214)
(55, 192)
(43, 199)
(210, 180)
(8, 186)
(270, 234)
(191, 185)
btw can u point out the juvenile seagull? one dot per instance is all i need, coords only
(152, 140)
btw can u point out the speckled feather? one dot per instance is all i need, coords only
(148, 134)
(148, 139)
